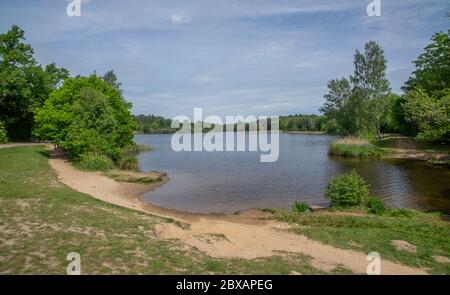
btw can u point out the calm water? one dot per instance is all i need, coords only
(232, 181)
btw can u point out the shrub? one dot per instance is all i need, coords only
(376, 206)
(348, 189)
(3, 137)
(86, 115)
(94, 162)
(127, 163)
(300, 207)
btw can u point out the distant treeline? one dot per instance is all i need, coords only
(292, 123)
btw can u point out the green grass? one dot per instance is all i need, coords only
(42, 220)
(366, 232)
(138, 178)
(355, 150)
(300, 207)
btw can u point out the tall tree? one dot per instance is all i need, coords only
(370, 83)
(24, 85)
(16, 66)
(337, 105)
(432, 72)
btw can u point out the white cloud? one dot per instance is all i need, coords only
(179, 19)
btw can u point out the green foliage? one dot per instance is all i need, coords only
(128, 163)
(300, 207)
(303, 123)
(3, 136)
(426, 104)
(86, 115)
(24, 84)
(357, 105)
(401, 212)
(431, 115)
(355, 150)
(153, 124)
(376, 206)
(346, 190)
(94, 162)
(432, 72)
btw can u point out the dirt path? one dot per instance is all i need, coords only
(224, 236)
(404, 147)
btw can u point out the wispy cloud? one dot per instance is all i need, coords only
(227, 56)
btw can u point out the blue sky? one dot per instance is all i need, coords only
(244, 57)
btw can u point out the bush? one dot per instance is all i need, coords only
(348, 189)
(94, 162)
(127, 163)
(3, 137)
(376, 206)
(86, 115)
(300, 207)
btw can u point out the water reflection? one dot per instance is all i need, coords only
(231, 181)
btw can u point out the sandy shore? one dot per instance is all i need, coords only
(245, 235)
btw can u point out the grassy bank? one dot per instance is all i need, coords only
(42, 220)
(424, 236)
(355, 147)
(393, 146)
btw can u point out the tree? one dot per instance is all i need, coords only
(3, 136)
(370, 84)
(16, 65)
(24, 85)
(356, 105)
(431, 115)
(432, 67)
(338, 105)
(426, 104)
(86, 115)
(56, 75)
(110, 78)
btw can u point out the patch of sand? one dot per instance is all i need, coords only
(246, 235)
(404, 246)
(441, 259)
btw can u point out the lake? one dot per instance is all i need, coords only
(226, 182)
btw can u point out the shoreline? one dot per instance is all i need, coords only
(245, 235)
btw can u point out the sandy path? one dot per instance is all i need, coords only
(245, 237)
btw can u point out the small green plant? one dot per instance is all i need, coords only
(94, 162)
(376, 206)
(347, 190)
(401, 212)
(3, 137)
(300, 207)
(128, 163)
